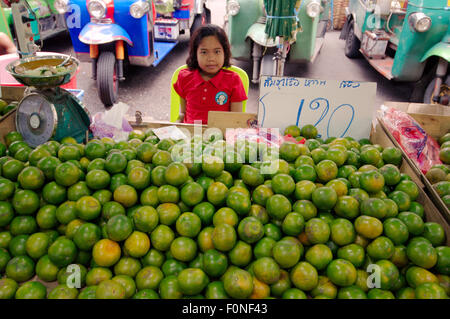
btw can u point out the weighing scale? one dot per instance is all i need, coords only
(48, 111)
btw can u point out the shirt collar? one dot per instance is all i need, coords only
(215, 81)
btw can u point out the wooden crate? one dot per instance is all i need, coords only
(8, 121)
(433, 213)
(377, 136)
(12, 93)
(435, 120)
(7, 124)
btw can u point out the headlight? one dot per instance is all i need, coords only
(233, 7)
(313, 9)
(97, 8)
(138, 9)
(62, 6)
(419, 21)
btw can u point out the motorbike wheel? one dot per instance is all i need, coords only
(352, 43)
(201, 19)
(107, 81)
(207, 16)
(444, 92)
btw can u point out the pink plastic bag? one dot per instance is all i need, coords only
(112, 123)
(101, 129)
(418, 145)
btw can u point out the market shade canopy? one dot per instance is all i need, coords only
(281, 18)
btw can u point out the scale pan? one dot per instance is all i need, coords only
(41, 71)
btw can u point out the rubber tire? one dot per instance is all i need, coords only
(107, 89)
(430, 88)
(419, 87)
(352, 43)
(208, 15)
(198, 20)
(267, 65)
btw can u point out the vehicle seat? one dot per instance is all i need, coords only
(175, 98)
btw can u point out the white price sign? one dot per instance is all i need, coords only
(335, 108)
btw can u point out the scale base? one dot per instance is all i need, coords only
(54, 113)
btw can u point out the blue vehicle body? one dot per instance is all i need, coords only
(143, 41)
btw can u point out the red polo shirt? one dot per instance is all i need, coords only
(214, 95)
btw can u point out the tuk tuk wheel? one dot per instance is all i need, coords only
(107, 80)
(443, 93)
(352, 43)
(201, 19)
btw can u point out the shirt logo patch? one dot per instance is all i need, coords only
(221, 98)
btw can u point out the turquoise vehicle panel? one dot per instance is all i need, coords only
(303, 49)
(246, 24)
(441, 49)
(239, 25)
(408, 62)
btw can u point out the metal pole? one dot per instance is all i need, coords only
(281, 57)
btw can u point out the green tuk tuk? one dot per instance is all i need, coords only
(270, 33)
(404, 41)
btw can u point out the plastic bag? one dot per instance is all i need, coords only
(290, 138)
(417, 144)
(112, 123)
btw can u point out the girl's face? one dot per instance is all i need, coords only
(210, 55)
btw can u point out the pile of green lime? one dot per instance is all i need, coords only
(439, 174)
(6, 107)
(332, 219)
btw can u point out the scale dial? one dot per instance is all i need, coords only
(36, 119)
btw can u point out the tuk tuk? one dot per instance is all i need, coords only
(246, 24)
(49, 21)
(404, 41)
(112, 34)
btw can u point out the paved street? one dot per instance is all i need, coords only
(148, 89)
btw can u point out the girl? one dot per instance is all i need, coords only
(205, 86)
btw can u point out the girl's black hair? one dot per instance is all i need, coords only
(206, 31)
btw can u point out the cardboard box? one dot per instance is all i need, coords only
(224, 120)
(435, 120)
(220, 120)
(145, 123)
